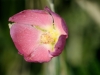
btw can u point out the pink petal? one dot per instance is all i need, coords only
(40, 54)
(25, 37)
(33, 17)
(59, 46)
(59, 23)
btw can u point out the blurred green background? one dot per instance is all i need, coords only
(81, 55)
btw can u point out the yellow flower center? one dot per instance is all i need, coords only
(50, 37)
(47, 39)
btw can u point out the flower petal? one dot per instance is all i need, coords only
(25, 37)
(33, 17)
(59, 23)
(59, 46)
(40, 54)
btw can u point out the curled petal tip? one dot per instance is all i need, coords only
(59, 46)
(47, 9)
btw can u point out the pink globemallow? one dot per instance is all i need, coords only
(39, 35)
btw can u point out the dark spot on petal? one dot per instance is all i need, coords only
(32, 25)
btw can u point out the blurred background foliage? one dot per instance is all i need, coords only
(81, 55)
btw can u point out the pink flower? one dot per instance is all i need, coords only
(38, 35)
